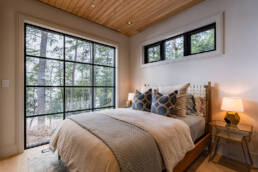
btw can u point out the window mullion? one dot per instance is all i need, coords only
(145, 49)
(114, 80)
(64, 109)
(162, 50)
(92, 76)
(187, 44)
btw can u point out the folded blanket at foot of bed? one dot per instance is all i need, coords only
(134, 148)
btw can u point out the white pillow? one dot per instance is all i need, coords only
(144, 89)
(171, 88)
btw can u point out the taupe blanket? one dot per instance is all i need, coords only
(134, 148)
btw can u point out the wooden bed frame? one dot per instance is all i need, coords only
(202, 143)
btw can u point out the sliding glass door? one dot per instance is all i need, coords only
(64, 75)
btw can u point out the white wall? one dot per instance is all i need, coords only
(9, 11)
(234, 73)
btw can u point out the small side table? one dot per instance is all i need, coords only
(239, 133)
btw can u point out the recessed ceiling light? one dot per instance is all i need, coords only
(93, 5)
(129, 22)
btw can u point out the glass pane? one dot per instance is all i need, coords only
(77, 50)
(103, 76)
(203, 41)
(42, 100)
(104, 55)
(103, 97)
(77, 98)
(40, 129)
(77, 74)
(43, 43)
(76, 113)
(154, 54)
(174, 48)
(44, 72)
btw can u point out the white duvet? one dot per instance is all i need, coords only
(82, 151)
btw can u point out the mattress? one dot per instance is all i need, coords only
(196, 124)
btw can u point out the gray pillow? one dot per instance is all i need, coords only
(190, 104)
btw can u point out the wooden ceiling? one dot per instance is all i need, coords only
(128, 17)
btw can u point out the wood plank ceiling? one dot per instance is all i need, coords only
(128, 17)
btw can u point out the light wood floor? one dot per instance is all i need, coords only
(18, 163)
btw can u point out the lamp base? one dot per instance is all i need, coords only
(129, 103)
(232, 118)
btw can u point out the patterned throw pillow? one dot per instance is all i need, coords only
(142, 101)
(181, 109)
(163, 104)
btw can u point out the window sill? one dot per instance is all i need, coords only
(206, 55)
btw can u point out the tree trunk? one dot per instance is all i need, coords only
(41, 80)
(105, 93)
(73, 71)
(105, 97)
(84, 100)
(34, 109)
(50, 91)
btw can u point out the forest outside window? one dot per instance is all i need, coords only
(174, 48)
(64, 75)
(197, 41)
(203, 41)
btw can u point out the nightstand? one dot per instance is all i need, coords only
(239, 133)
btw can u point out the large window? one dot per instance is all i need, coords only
(197, 41)
(64, 75)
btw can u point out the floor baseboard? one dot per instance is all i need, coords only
(8, 150)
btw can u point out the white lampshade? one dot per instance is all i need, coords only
(130, 96)
(232, 104)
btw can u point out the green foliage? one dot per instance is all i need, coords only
(154, 54)
(104, 55)
(174, 48)
(203, 41)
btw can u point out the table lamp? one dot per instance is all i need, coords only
(130, 99)
(232, 105)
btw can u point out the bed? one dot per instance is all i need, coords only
(179, 141)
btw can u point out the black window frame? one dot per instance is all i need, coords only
(64, 86)
(187, 43)
(146, 48)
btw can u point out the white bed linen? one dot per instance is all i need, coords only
(82, 151)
